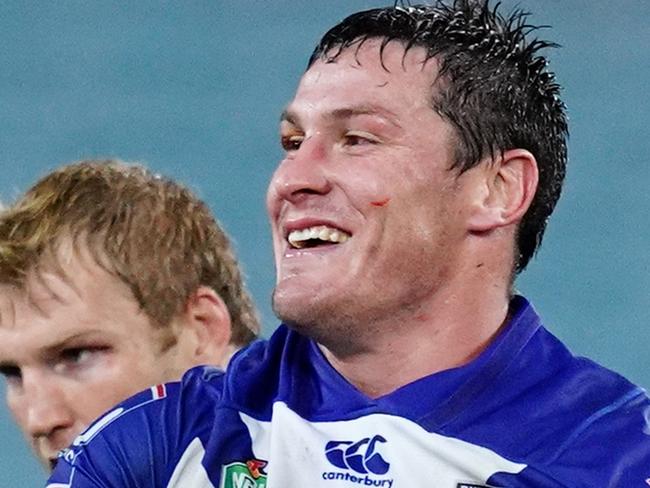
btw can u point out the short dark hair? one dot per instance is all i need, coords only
(493, 86)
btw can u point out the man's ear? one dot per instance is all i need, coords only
(206, 328)
(507, 191)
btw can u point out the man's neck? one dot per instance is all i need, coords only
(446, 332)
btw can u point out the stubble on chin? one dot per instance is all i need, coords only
(327, 323)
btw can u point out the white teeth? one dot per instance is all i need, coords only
(299, 238)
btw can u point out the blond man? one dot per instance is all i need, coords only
(111, 279)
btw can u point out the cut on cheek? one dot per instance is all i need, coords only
(380, 203)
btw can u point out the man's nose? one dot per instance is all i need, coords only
(46, 411)
(303, 172)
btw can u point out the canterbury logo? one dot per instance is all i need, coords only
(361, 457)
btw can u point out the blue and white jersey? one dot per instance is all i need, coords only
(525, 413)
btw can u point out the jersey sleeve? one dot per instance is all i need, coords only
(143, 441)
(611, 449)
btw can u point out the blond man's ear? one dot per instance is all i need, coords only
(204, 329)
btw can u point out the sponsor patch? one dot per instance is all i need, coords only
(244, 475)
(361, 462)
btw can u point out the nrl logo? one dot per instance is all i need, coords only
(244, 475)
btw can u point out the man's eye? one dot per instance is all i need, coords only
(292, 142)
(357, 138)
(76, 357)
(76, 354)
(11, 373)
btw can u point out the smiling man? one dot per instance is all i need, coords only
(418, 234)
(425, 149)
(112, 279)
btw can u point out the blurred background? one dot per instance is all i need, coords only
(195, 89)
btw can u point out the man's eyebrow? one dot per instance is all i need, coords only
(288, 115)
(8, 367)
(71, 341)
(371, 110)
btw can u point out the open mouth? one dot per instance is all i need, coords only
(316, 236)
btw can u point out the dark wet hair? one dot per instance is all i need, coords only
(493, 86)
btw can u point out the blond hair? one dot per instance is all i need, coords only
(151, 232)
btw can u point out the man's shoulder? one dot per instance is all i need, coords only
(564, 416)
(578, 380)
(576, 409)
(583, 422)
(544, 367)
(597, 406)
(146, 431)
(153, 434)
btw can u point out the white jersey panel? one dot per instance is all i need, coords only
(374, 450)
(189, 472)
